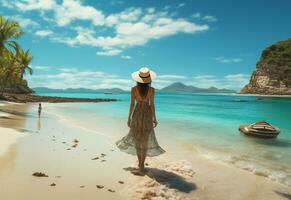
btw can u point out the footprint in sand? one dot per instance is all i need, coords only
(53, 184)
(121, 182)
(39, 174)
(96, 158)
(76, 141)
(74, 146)
(110, 190)
(100, 186)
(103, 160)
(82, 186)
(68, 149)
(58, 176)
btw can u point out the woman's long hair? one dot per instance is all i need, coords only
(143, 88)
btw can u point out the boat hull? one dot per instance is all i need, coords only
(247, 130)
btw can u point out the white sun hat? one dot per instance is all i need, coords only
(144, 75)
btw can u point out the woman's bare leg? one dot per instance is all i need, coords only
(139, 159)
(143, 157)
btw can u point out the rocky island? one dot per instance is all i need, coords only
(273, 71)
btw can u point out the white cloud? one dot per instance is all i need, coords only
(109, 52)
(28, 5)
(43, 33)
(39, 67)
(126, 57)
(128, 28)
(6, 3)
(24, 22)
(205, 81)
(228, 60)
(170, 76)
(63, 77)
(128, 15)
(196, 15)
(74, 78)
(71, 10)
(230, 81)
(129, 34)
(237, 80)
(204, 77)
(167, 79)
(181, 5)
(210, 18)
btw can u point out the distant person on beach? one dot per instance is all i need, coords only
(141, 139)
(39, 109)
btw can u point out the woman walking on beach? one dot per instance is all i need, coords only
(141, 139)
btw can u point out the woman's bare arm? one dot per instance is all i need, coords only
(152, 104)
(132, 102)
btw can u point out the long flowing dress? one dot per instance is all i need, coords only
(141, 136)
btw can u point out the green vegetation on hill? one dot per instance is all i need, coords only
(278, 57)
(14, 61)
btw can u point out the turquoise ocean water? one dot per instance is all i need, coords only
(210, 123)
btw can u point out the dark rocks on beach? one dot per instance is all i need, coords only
(39, 174)
(28, 98)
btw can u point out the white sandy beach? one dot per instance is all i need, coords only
(65, 151)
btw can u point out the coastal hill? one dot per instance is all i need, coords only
(180, 87)
(273, 71)
(175, 87)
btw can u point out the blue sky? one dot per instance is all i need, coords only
(99, 43)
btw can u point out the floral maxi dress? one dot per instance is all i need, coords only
(141, 136)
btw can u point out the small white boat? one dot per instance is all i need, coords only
(260, 129)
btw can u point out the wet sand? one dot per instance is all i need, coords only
(85, 165)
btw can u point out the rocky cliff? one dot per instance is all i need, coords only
(273, 71)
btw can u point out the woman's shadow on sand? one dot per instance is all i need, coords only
(169, 179)
(282, 194)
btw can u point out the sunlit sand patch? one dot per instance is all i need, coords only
(8, 137)
(162, 180)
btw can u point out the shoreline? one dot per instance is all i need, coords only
(32, 98)
(240, 162)
(205, 179)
